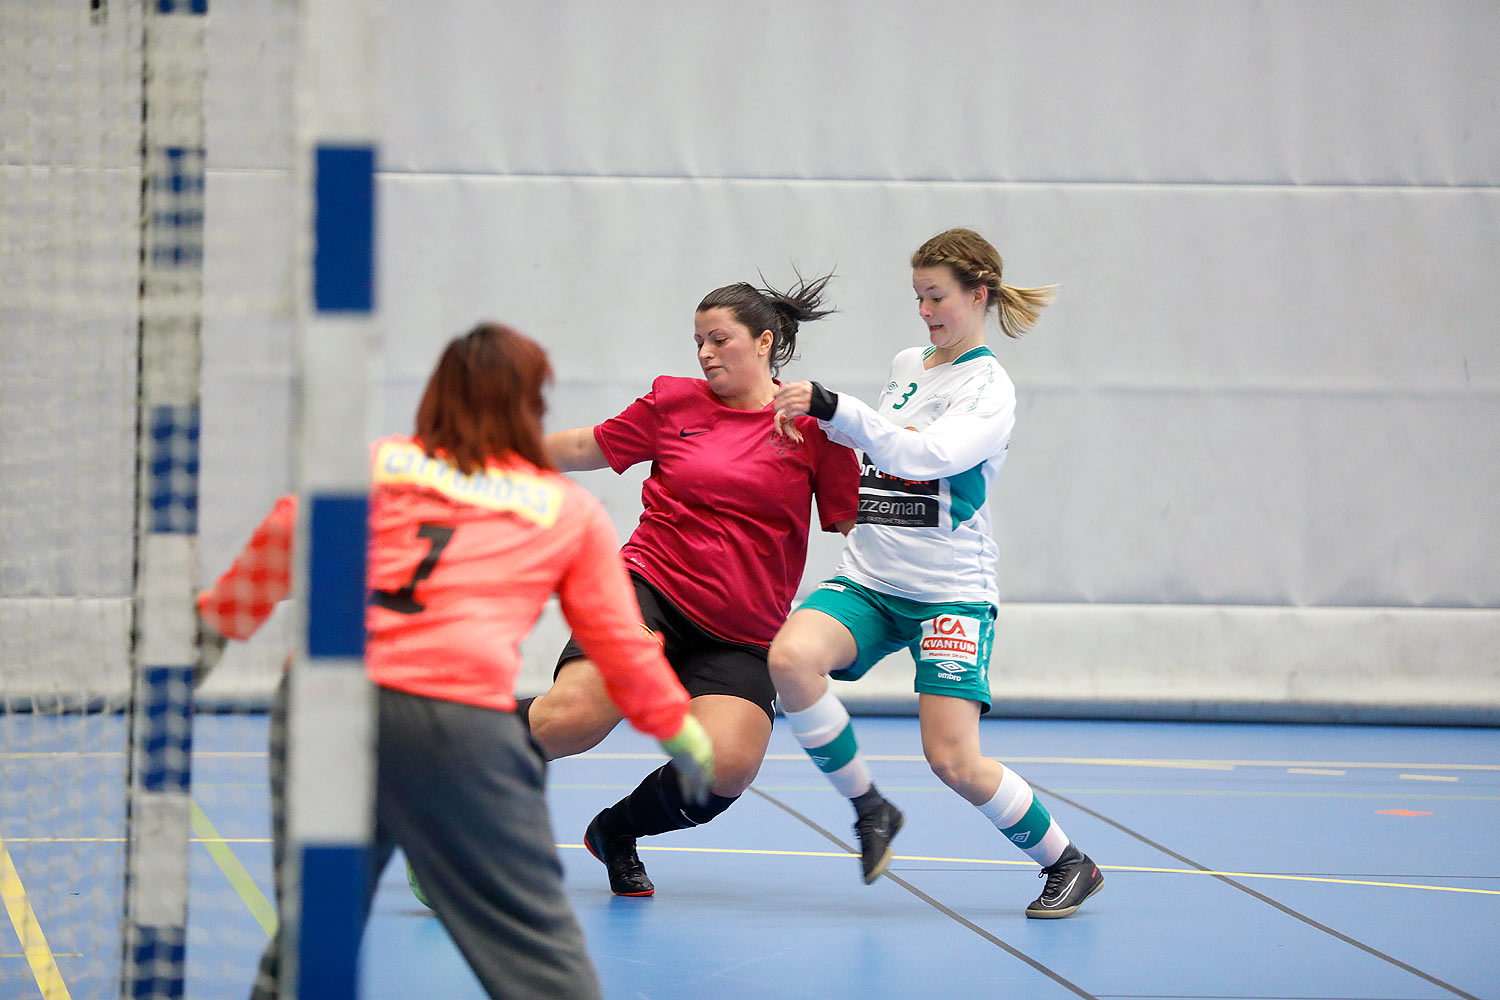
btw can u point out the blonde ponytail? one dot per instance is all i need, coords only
(1019, 308)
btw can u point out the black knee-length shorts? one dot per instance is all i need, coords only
(705, 663)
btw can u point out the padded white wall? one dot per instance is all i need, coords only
(1258, 445)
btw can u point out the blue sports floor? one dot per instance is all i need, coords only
(1252, 862)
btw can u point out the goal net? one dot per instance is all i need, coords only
(148, 313)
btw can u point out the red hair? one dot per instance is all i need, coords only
(484, 399)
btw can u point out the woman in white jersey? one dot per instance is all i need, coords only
(919, 568)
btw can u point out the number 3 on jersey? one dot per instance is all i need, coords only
(404, 600)
(911, 387)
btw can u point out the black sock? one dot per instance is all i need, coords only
(868, 801)
(656, 806)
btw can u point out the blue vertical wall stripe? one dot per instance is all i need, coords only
(333, 883)
(338, 532)
(344, 228)
(173, 462)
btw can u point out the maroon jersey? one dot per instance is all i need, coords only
(727, 505)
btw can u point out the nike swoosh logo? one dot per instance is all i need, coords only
(1066, 889)
(687, 433)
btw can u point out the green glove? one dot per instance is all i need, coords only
(693, 753)
(416, 887)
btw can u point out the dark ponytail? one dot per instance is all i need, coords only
(768, 309)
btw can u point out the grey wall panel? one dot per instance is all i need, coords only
(1161, 286)
(1251, 498)
(1403, 505)
(1223, 405)
(250, 91)
(69, 274)
(1235, 92)
(249, 352)
(1271, 377)
(72, 87)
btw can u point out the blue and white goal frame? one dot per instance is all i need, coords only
(330, 810)
(164, 642)
(329, 807)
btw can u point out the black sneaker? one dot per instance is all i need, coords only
(1071, 879)
(876, 828)
(627, 876)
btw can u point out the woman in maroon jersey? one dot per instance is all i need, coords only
(716, 559)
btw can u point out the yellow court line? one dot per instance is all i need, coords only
(104, 754)
(1193, 764)
(121, 840)
(244, 885)
(1186, 763)
(1032, 864)
(1427, 777)
(67, 840)
(33, 942)
(1304, 878)
(1323, 792)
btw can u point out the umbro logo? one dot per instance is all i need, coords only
(687, 433)
(1021, 838)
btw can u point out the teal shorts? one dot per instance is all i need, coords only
(950, 642)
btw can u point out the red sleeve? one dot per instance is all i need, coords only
(242, 598)
(599, 604)
(630, 437)
(836, 484)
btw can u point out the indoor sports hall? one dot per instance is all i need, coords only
(1247, 644)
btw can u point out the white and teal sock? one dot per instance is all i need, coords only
(825, 732)
(1019, 814)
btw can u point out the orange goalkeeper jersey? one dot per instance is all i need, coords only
(459, 570)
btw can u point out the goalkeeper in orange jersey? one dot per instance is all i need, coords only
(472, 529)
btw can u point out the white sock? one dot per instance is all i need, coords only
(1017, 813)
(823, 729)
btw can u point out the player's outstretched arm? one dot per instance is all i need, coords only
(575, 450)
(245, 594)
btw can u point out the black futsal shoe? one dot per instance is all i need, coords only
(627, 876)
(1071, 879)
(876, 828)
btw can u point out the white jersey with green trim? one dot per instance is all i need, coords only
(923, 530)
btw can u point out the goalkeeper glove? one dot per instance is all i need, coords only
(416, 887)
(693, 754)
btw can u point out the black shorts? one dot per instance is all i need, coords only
(705, 663)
